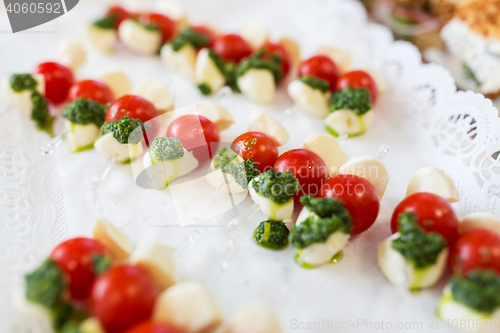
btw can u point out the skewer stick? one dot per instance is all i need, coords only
(100, 175)
(202, 212)
(54, 143)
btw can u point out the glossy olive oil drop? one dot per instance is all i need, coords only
(335, 259)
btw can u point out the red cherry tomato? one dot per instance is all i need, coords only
(475, 249)
(262, 149)
(307, 167)
(280, 51)
(359, 196)
(321, 67)
(91, 89)
(197, 134)
(122, 297)
(166, 25)
(134, 107)
(205, 32)
(58, 80)
(74, 257)
(433, 213)
(152, 327)
(120, 13)
(358, 79)
(232, 47)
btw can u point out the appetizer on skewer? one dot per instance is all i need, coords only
(103, 33)
(166, 160)
(322, 229)
(424, 226)
(434, 181)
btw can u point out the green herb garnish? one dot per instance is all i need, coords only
(358, 100)
(22, 82)
(163, 148)
(229, 162)
(479, 290)
(279, 187)
(124, 130)
(272, 235)
(262, 60)
(189, 36)
(85, 111)
(315, 83)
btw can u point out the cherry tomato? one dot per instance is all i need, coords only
(205, 32)
(232, 47)
(120, 13)
(280, 51)
(359, 196)
(75, 258)
(152, 327)
(262, 149)
(134, 107)
(58, 80)
(166, 25)
(433, 213)
(197, 134)
(307, 167)
(122, 297)
(91, 89)
(475, 249)
(358, 79)
(320, 67)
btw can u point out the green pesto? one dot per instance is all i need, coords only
(335, 259)
(262, 60)
(227, 69)
(124, 130)
(191, 37)
(163, 148)
(326, 216)
(100, 263)
(22, 82)
(357, 100)
(479, 290)
(46, 284)
(85, 111)
(148, 27)
(279, 187)
(204, 88)
(40, 112)
(84, 148)
(108, 22)
(419, 247)
(229, 162)
(272, 235)
(315, 83)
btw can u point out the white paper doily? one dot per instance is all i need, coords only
(421, 116)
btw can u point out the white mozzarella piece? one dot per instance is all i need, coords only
(72, 54)
(308, 99)
(157, 93)
(102, 39)
(22, 100)
(110, 148)
(157, 259)
(399, 271)
(139, 39)
(216, 179)
(206, 72)
(320, 253)
(269, 208)
(450, 310)
(434, 181)
(348, 122)
(81, 137)
(173, 9)
(163, 172)
(261, 122)
(113, 238)
(326, 147)
(258, 85)
(118, 82)
(254, 318)
(91, 325)
(481, 220)
(188, 306)
(216, 113)
(255, 33)
(292, 48)
(340, 57)
(369, 168)
(183, 60)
